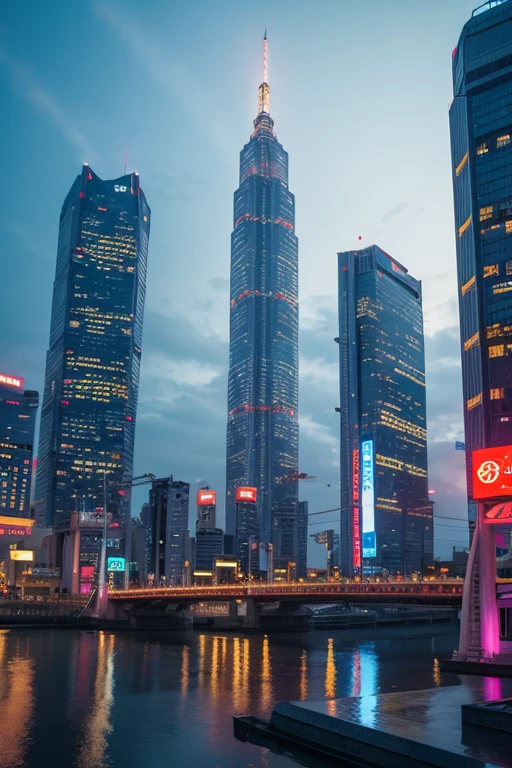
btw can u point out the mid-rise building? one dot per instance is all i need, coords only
(384, 487)
(263, 431)
(18, 410)
(481, 146)
(93, 361)
(169, 502)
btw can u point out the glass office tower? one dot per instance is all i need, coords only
(262, 431)
(93, 360)
(481, 144)
(169, 501)
(18, 410)
(386, 519)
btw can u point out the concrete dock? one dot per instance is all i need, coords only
(419, 729)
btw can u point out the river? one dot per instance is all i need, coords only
(134, 699)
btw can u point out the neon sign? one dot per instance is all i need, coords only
(492, 472)
(11, 381)
(246, 494)
(116, 564)
(356, 527)
(206, 498)
(368, 500)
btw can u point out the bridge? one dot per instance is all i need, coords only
(432, 592)
(268, 606)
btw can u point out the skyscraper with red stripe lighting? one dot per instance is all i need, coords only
(263, 432)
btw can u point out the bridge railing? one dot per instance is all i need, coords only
(444, 588)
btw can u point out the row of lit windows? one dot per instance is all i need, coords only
(501, 141)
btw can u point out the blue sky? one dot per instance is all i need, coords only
(360, 95)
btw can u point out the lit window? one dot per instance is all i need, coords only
(486, 213)
(497, 350)
(482, 148)
(508, 226)
(467, 286)
(497, 394)
(473, 341)
(502, 141)
(502, 288)
(464, 226)
(474, 401)
(491, 269)
(461, 164)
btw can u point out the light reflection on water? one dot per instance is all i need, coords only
(117, 700)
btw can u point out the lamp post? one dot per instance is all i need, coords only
(102, 593)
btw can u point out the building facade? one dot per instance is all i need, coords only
(93, 361)
(169, 504)
(384, 491)
(481, 146)
(262, 430)
(18, 410)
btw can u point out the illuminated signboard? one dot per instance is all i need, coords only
(356, 528)
(246, 494)
(492, 472)
(14, 382)
(368, 499)
(501, 513)
(25, 555)
(206, 498)
(116, 564)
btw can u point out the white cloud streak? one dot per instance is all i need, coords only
(28, 87)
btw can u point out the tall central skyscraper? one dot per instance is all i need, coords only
(93, 361)
(263, 432)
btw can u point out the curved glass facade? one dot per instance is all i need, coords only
(386, 519)
(92, 367)
(262, 431)
(481, 145)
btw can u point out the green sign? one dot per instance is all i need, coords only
(116, 564)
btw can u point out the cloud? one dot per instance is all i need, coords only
(219, 283)
(168, 72)
(316, 431)
(397, 210)
(319, 371)
(28, 87)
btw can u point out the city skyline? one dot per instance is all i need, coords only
(194, 372)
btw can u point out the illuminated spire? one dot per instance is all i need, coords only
(264, 89)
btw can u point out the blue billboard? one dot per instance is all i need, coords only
(116, 564)
(368, 499)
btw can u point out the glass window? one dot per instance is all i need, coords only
(502, 141)
(482, 148)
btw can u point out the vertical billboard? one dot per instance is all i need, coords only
(368, 499)
(356, 527)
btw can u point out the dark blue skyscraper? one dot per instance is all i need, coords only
(386, 520)
(93, 361)
(481, 142)
(263, 432)
(18, 410)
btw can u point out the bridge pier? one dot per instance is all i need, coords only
(251, 618)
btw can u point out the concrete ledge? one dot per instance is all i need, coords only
(362, 745)
(496, 715)
(484, 668)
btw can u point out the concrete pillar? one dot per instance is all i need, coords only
(479, 628)
(252, 619)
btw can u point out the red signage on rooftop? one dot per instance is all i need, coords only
(206, 498)
(492, 472)
(13, 382)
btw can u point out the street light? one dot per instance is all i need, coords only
(102, 592)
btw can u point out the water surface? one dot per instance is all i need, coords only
(133, 699)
